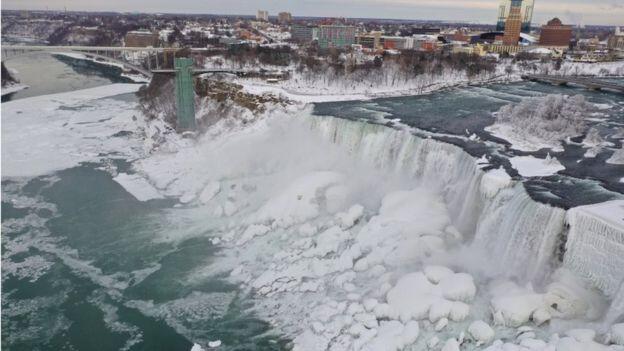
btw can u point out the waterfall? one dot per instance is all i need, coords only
(518, 233)
(595, 250)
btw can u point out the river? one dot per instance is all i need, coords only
(87, 266)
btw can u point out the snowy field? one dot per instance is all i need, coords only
(348, 235)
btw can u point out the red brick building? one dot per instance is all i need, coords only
(555, 34)
(141, 39)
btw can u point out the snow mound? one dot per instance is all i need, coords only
(529, 166)
(298, 202)
(481, 332)
(415, 297)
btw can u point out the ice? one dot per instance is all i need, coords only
(415, 297)
(450, 345)
(210, 191)
(530, 166)
(494, 180)
(138, 186)
(298, 202)
(617, 158)
(197, 347)
(542, 122)
(481, 332)
(595, 245)
(52, 136)
(617, 334)
(214, 344)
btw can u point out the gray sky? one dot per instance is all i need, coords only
(608, 12)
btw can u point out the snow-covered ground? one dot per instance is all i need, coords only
(348, 235)
(307, 86)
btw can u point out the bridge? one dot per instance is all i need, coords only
(114, 54)
(590, 83)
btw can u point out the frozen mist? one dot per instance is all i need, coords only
(350, 235)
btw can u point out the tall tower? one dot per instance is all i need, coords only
(513, 24)
(527, 14)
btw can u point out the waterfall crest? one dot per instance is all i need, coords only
(518, 233)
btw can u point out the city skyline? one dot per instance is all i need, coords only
(599, 12)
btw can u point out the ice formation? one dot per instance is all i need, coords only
(339, 267)
(542, 122)
(351, 235)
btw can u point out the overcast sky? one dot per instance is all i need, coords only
(608, 12)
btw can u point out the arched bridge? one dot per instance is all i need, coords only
(591, 83)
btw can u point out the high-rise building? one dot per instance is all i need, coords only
(284, 17)
(513, 23)
(555, 34)
(616, 42)
(526, 11)
(337, 36)
(303, 33)
(262, 15)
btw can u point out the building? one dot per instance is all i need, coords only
(526, 11)
(284, 17)
(141, 39)
(262, 15)
(513, 24)
(303, 34)
(616, 42)
(555, 35)
(337, 36)
(370, 40)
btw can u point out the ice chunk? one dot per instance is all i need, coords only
(197, 347)
(481, 332)
(210, 190)
(450, 345)
(437, 273)
(348, 219)
(298, 202)
(582, 334)
(530, 166)
(138, 186)
(617, 334)
(458, 287)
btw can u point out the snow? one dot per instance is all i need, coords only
(495, 180)
(214, 344)
(481, 332)
(530, 166)
(596, 244)
(541, 122)
(13, 88)
(52, 136)
(138, 186)
(617, 158)
(355, 236)
(197, 347)
(617, 334)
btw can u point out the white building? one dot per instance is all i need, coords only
(262, 15)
